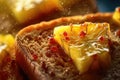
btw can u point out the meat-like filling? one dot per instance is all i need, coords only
(53, 62)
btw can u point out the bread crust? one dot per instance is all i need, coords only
(98, 17)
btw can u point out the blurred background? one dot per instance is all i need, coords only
(107, 5)
(25, 12)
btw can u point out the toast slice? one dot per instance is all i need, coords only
(40, 62)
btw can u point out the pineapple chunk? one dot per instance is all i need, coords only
(86, 44)
(116, 15)
(26, 10)
(6, 45)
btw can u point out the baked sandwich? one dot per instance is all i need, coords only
(70, 48)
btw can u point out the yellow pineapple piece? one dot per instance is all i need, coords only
(116, 15)
(81, 61)
(25, 10)
(83, 42)
(6, 45)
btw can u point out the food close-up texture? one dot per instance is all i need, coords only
(59, 40)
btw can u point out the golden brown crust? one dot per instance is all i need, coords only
(102, 17)
(23, 59)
